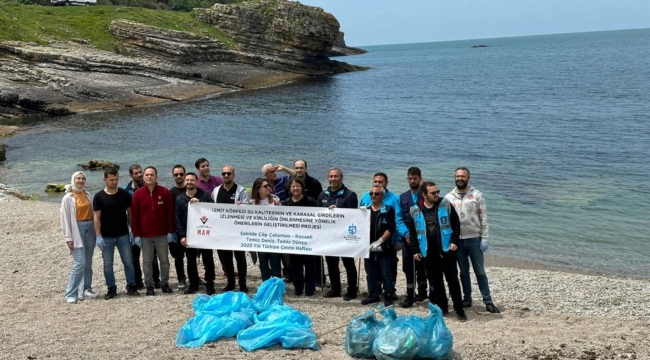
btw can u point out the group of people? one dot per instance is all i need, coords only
(436, 234)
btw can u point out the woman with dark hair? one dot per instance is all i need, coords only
(304, 266)
(270, 263)
(79, 236)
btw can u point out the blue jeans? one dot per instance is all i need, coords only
(471, 248)
(123, 244)
(81, 276)
(379, 266)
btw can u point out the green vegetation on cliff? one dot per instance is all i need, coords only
(177, 5)
(35, 23)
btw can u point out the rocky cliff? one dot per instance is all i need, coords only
(266, 42)
(341, 49)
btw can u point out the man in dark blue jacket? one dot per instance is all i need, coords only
(412, 269)
(339, 196)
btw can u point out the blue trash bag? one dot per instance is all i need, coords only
(205, 327)
(267, 333)
(361, 333)
(269, 294)
(437, 342)
(400, 339)
(223, 304)
(283, 313)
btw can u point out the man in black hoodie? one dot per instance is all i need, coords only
(436, 223)
(337, 195)
(193, 194)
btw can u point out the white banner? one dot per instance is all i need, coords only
(279, 229)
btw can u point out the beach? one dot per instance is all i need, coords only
(545, 314)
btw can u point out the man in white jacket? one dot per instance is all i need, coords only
(470, 206)
(231, 193)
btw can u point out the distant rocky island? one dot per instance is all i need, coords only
(261, 43)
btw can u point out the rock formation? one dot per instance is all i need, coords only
(99, 165)
(266, 42)
(341, 49)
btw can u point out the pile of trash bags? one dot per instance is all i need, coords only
(258, 323)
(399, 337)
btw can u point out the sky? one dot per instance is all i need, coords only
(378, 22)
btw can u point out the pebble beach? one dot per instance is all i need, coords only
(545, 314)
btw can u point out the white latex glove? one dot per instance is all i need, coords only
(484, 245)
(376, 246)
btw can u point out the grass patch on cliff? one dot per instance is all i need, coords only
(40, 24)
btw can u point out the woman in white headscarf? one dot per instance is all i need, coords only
(79, 236)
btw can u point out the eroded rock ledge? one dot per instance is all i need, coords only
(268, 42)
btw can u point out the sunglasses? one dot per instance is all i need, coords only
(226, 173)
(178, 174)
(437, 192)
(265, 185)
(375, 193)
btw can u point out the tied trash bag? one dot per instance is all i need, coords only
(437, 339)
(207, 327)
(269, 294)
(283, 313)
(362, 330)
(279, 324)
(218, 316)
(400, 339)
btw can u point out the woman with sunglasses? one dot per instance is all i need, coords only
(79, 236)
(304, 266)
(270, 263)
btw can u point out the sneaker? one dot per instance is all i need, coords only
(467, 304)
(349, 296)
(166, 289)
(309, 294)
(332, 293)
(370, 300)
(88, 295)
(181, 284)
(139, 286)
(394, 297)
(298, 293)
(150, 291)
(461, 316)
(112, 292)
(227, 288)
(70, 300)
(491, 308)
(420, 297)
(156, 284)
(191, 289)
(243, 289)
(209, 289)
(132, 290)
(388, 302)
(406, 303)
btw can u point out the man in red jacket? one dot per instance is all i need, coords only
(152, 223)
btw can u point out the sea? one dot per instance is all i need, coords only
(555, 130)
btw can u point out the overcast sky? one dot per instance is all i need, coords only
(375, 22)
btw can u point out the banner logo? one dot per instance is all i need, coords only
(204, 219)
(352, 229)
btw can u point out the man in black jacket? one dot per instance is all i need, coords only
(436, 222)
(193, 194)
(337, 195)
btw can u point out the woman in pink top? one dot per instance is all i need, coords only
(270, 263)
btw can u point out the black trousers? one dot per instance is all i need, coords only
(178, 253)
(446, 266)
(320, 271)
(304, 273)
(409, 265)
(335, 273)
(193, 271)
(138, 269)
(225, 256)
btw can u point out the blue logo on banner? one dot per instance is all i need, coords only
(352, 229)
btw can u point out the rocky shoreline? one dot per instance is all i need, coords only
(267, 43)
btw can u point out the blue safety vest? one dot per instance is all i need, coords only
(443, 221)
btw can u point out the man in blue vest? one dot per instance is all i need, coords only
(391, 199)
(434, 233)
(412, 269)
